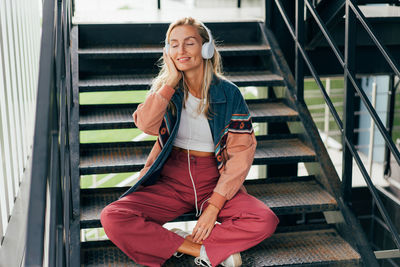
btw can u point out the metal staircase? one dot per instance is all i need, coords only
(316, 228)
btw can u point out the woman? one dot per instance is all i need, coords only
(204, 150)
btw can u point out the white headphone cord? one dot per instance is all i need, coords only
(198, 213)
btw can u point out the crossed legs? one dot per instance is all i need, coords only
(134, 224)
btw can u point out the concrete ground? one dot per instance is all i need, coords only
(124, 11)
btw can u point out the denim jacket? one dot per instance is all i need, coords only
(231, 129)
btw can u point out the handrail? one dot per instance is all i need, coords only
(367, 27)
(50, 156)
(362, 94)
(351, 77)
(311, 67)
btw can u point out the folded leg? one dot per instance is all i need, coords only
(245, 222)
(134, 223)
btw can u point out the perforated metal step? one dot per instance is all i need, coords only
(142, 81)
(115, 116)
(285, 197)
(131, 156)
(156, 50)
(305, 248)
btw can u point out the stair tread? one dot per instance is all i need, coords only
(311, 248)
(156, 48)
(117, 116)
(131, 156)
(142, 80)
(282, 197)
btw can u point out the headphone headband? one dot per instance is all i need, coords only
(207, 49)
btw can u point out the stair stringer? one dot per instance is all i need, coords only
(75, 230)
(323, 170)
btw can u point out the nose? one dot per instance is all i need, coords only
(181, 49)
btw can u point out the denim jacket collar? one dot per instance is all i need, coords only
(217, 95)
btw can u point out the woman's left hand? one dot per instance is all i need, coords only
(205, 224)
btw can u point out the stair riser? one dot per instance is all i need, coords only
(137, 167)
(129, 124)
(130, 66)
(278, 211)
(154, 53)
(146, 86)
(131, 34)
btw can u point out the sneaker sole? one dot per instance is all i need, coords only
(237, 260)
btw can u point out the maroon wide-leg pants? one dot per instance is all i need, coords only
(134, 222)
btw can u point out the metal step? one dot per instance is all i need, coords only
(310, 248)
(117, 116)
(98, 158)
(143, 81)
(155, 50)
(285, 197)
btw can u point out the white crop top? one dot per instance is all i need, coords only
(194, 132)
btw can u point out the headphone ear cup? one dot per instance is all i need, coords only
(207, 50)
(166, 48)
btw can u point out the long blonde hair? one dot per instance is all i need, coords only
(212, 66)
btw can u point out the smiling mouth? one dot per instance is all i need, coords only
(183, 59)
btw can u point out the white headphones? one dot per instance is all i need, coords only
(207, 50)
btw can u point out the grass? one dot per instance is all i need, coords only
(115, 135)
(122, 97)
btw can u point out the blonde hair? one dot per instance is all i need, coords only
(212, 66)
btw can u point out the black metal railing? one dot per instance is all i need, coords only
(50, 195)
(352, 14)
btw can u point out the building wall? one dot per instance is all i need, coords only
(20, 30)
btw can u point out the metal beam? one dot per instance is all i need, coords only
(299, 61)
(387, 254)
(331, 13)
(348, 111)
(40, 157)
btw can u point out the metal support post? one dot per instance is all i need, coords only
(268, 13)
(372, 131)
(390, 122)
(348, 112)
(299, 60)
(326, 113)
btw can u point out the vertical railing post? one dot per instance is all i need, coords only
(348, 111)
(372, 131)
(299, 61)
(239, 3)
(390, 121)
(268, 12)
(326, 114)
(159, 4)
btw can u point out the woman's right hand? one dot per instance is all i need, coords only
(174, 74)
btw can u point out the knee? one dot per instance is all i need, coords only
(107, 217)
(267, 222)
(113, 217)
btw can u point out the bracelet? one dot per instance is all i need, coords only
(213, 205)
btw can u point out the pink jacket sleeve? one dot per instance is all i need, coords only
(239, 153)
(149, 114)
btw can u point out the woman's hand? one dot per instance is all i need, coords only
(174, 74)
(205, 224)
